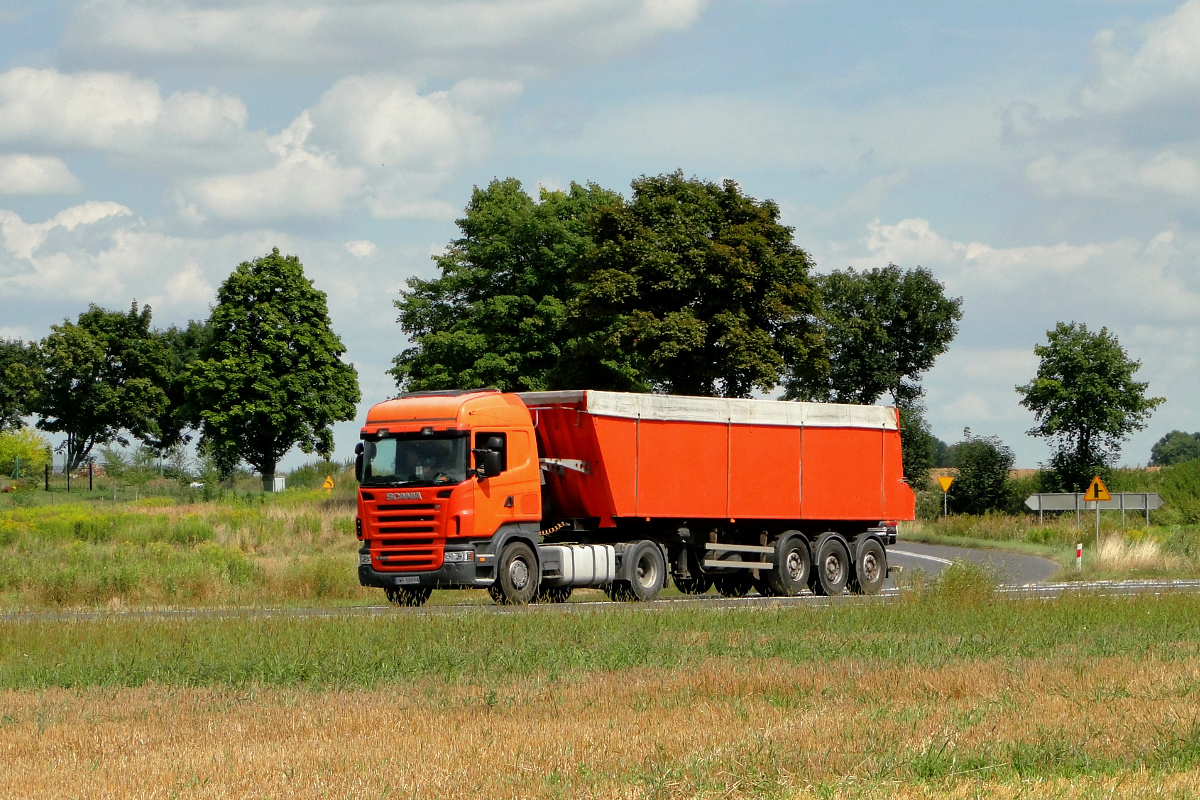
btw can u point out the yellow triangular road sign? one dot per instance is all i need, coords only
(945, 481)
(1096, 491)
(328, 482)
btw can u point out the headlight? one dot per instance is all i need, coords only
(459, 556)
(364, 559)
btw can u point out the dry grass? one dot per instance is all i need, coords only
(1112, 727)
(1126, 555)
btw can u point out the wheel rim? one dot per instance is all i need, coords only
(870, 568)
(647, 571)
(833, 568)
(518, 573)
(795, 566)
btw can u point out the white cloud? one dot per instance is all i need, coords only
(110, 112)
(26, 174)
(428, 36)
(1114, 174)
(1165, 66)
(361, 248)
(372, 141)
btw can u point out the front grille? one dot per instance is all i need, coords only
(403, 530)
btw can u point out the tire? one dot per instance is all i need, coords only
(408, 596)
(518, 575)
(831, 571)
(553, 594)
(793, 566)
(693, 584)
(870, 568)
(648, 574)
(737, 584)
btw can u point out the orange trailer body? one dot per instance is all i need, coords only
(655, 456)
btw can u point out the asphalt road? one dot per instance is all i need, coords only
(1013, 569)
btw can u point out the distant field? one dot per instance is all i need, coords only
(948, 692)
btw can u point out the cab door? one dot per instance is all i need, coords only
(515, 494)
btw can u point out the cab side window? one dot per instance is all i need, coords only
(483, 441)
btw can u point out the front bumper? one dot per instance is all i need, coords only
(480, 572)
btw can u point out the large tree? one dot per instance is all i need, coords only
(181, 347)
(1175, 448)
(272, 376)
(692, 288)
(1085, 400)
(15, 357)
(495, 314)
(98, 379)
(883, 328)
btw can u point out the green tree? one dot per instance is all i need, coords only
(23, 451)
(883, 328)
(692, 288)
(1175, 448)
(181, 347)
(495, 315)
(272, 376)
(98, 379)
(134, 469)
(917, 445)
(982, 484)
(15, 358)
(1085, 401)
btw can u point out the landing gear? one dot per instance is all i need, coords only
(832, 568)
(411, 596)
(693, 584)
(870, 568)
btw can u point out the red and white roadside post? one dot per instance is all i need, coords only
(1079, 556)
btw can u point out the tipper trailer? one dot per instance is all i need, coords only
(532, 494)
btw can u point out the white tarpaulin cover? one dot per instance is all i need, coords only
(718, 409)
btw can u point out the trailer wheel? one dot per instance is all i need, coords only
(870, 568)
(693, 584)
(737, 584)
(517, 575)
(648, 573)
(832, 568)
(554, 594)
(411, 596)
(793, 566)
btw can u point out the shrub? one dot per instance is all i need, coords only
(982, 484)
(25, 450)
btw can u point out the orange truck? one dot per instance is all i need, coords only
(533, 494)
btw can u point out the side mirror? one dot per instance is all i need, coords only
(358, 462)
(493, 464)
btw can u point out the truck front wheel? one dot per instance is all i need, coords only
(517, 575)
(832, 568)
(870, 568)
(793, 565)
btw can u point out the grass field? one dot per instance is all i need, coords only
(951, 692)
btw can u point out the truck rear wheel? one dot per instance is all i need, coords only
(870, 568)
(737, 584)
(693, 584)
(793, 566)
(517, 575)
(412, 596)
(647, 572)
(832, 568)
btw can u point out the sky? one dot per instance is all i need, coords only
(1041, 159)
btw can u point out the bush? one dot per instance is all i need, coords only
(25, 449)
(982, 484)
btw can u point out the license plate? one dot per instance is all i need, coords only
(364, 559)
(403, 579)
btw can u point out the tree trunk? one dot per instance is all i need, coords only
(268, 480)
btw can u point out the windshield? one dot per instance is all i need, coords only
(415, 460)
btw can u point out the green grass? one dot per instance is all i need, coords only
(938, 626)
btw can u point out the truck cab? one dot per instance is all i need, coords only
(447, 479)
